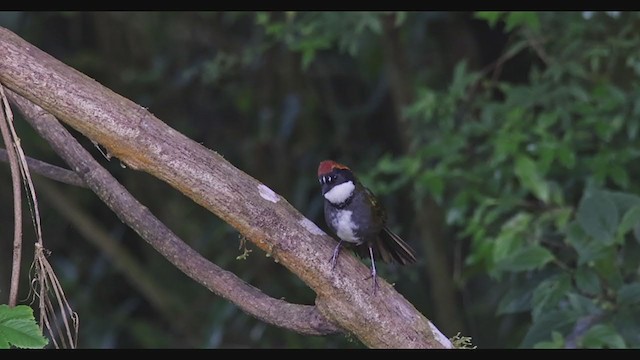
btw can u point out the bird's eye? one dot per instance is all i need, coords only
(328, 179)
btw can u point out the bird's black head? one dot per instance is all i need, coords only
(337, 177)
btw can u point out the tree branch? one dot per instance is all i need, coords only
(47, 170)
(302, 318)
(155, 294)
(145, 143)
(159, 296)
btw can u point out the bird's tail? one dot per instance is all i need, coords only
(391, 248)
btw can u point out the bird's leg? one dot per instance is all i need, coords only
(334, 258)
(374, 274)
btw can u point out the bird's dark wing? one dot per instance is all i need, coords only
(388, 245)
(377, 207)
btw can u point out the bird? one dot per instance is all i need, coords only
(356, 216)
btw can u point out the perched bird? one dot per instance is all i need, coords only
(354, 214)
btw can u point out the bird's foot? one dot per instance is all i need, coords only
(373, 276)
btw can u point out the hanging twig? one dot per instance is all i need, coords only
(50, 315)
(46, 278)
(17, 205)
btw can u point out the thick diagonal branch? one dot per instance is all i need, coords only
(301, 318)
(145, 143)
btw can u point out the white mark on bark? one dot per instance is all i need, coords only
(443, 340)
(311, 226)
(268, 194)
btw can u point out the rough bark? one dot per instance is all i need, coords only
(145, 143)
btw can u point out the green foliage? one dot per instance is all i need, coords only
(539, 179)
(602, 335)
(556, 342)
(598, 217)
(512, 19)
(308, 33)
(18, 328)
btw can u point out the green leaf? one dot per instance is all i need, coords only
(624, 201)
(262, 18)
(626, 324)
(491, 17)
(401, 16)
(619, 175)
(18, 328)
(629, 294)
(434, 182)
(518, 18)
(517, 298)
(587, 281)
(561, 216)
(609, 269)
(588, 249)
(549, 293)
(566, 155)
(630, 220)
(598, 216)
(526, 258)
(559, 321)
(511, 236)
(603, 336)
(307, 57)
(582, 305)
(527, 172)
(557, 342)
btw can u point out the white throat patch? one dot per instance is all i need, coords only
(340, 193)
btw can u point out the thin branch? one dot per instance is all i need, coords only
(32, 200)
(50, 171)
(581, 326)
(52, 316)
(47, 278)
(301, 318)
(536, 45)
(160, 297)
(155, 295)
(17, 207)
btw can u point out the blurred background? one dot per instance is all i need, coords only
(503, 145)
